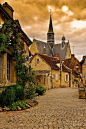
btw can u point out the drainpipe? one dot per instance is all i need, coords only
(60, 71)
(51, 80)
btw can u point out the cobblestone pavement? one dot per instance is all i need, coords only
(59, 108)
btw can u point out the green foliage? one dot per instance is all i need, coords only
(11, 36)
(40, 89)
(11, 94)
(19, 93)
(7, 96)
(21, 104)
(30, 92)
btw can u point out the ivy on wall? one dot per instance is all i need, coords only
(10, 36)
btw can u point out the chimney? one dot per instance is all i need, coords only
(8, 8)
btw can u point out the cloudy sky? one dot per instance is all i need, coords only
(69, 18)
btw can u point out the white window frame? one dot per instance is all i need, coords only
(56, 77)
(66, 80)
(53, 75)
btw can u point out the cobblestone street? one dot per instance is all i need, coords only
(59, 108)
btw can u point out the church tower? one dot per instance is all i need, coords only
(63, 41)
(50, 34)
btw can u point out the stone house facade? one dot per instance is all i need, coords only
(7, 64)
(47, 70)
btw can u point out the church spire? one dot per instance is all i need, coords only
(50, 34)
(50, 30)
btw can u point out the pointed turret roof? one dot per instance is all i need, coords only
(63, 38)
(50, 30)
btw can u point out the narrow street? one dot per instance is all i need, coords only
(59, 108)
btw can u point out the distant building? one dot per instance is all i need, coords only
(50, 47)
(48, 71)
(75, 66)
(83, 68)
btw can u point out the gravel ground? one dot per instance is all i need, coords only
(59, 108)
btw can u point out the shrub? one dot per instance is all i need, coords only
(21, 104)
(30, 91)
(11, 94)
(40, 89)
(7, 96)
(19, 92)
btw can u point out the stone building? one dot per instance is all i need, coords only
(7, 64)
(48, 71)
(75, 66)
(83, 68)
(51, 48)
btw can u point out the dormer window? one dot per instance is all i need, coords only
(77, 67)
(37, 61)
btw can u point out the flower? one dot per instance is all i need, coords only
(16, 29)
(27, 68)
(16, 44)
(25, 51)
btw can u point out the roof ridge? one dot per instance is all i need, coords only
(40, 41)
(47, 56)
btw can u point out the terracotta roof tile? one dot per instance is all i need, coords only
(65, 68)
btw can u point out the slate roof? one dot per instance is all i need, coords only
(8, 17)
(41, 45)
(57, 49)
